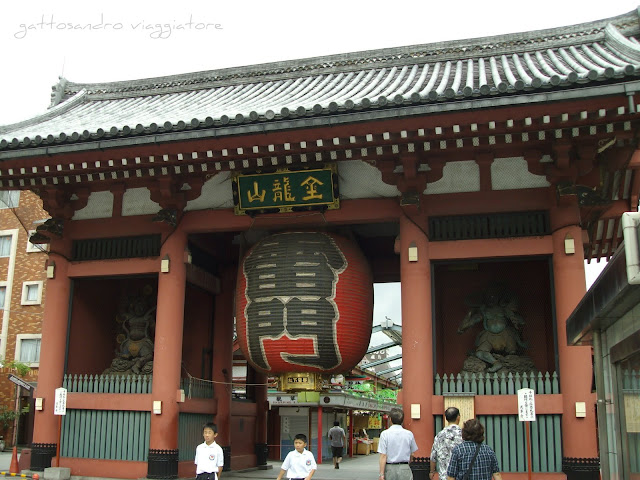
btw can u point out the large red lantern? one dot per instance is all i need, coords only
(304, 303)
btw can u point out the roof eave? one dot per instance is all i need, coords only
(608, 299)
(372, 114)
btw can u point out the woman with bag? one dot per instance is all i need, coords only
(472, 460)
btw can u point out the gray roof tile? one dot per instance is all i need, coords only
(487, 67)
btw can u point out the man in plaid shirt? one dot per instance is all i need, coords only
(485, 466)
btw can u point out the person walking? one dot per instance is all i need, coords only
(299, 464)
(396, 449)
(337, 438)
(473, 460)
(445, 441)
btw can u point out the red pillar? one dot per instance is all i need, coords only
(167, 358)
(578, 434)
(223, 356)
(262, 406)
(350, 437)
(417, 357)
(54, 342)
(319, 459)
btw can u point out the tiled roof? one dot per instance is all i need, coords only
(491, 67)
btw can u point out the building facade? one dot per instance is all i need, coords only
(607, 319)
(478, 173)
(22, 295)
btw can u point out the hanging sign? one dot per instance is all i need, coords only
(60, 403)
(286, 190)
(20, 382)
(526, 405)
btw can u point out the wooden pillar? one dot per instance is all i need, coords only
(223, 358)
(54, 344)
(350, 436)
(262, 406)
(578, 434)
(319, 459)
(417, 356)
(167, 358)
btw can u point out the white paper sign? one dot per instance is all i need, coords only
(526, 405)
(60, 404)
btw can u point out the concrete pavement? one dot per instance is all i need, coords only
(5, 459)
(358, 467)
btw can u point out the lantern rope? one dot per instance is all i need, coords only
(236, 384)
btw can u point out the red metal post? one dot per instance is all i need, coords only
(350, 438)
(527, 425)
(319, 459)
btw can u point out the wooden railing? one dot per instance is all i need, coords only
(196, 388)
(507, 436)
(105, 434)
(107, 383)
(496, 384)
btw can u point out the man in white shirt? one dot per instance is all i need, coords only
(396, 449)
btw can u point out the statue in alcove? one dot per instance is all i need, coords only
(500, 339)
(136, 320)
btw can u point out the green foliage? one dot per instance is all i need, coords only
(21, 368)
(8, 416)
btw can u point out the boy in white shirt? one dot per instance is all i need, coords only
(209, 456)
(300, 463)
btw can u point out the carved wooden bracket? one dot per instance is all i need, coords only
(533, 162)
(586, 158)
(63, 204)
(411, 178)
(173, 194)
(562, 170)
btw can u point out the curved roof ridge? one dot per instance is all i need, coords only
(49, 114)
(395, 56)
(622, 44)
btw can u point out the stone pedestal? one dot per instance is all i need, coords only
(57, 473)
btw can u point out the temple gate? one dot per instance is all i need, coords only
(480, 174)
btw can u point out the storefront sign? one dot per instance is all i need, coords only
(286, 190)
(283, 399)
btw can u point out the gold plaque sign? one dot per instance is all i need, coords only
(292, 382)
(286, 190)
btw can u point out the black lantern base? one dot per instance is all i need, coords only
(420, 468)
(41, 455)
(226, 453)
(162, 464)
(581, 468)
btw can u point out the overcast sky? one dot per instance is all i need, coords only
(123, 40)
